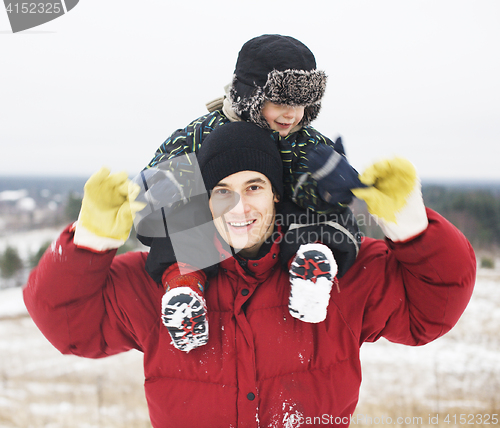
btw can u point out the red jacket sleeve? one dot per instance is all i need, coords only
(412, 292)
(75, 296)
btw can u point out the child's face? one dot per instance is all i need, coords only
(282, 118)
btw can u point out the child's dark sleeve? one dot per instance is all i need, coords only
(188, 139)
(175, 154)
(299, 184)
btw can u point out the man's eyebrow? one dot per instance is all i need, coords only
(255, 180)
(251, 181)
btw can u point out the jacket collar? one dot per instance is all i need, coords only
(256, 268)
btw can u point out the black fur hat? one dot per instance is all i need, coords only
(279, 69)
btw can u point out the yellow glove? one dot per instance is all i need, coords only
(108, 209)
(394, 198)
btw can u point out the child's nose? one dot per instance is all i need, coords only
(290, 111)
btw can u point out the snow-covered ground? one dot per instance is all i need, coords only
(39, 387)
(457, 374)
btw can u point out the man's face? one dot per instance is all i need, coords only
(242, 206)
(282, 118)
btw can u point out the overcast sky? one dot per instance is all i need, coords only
(109, 81)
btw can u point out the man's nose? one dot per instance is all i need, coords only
(240, 205)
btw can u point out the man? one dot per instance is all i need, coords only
(261, 366)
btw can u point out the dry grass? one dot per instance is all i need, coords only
(41, 388)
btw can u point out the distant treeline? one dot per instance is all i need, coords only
(474, 210)
(473, 207)
(36, 184)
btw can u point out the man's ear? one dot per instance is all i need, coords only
(276, 197)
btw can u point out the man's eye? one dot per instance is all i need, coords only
(254, 188)
(221, 192)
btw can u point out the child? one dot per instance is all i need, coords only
(276, 86)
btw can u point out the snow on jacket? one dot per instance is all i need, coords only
(261, 367)
(292, 147)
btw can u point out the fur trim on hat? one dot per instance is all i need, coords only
(290, 87)
(295, 87)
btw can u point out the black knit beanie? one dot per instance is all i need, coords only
(240, 146)
(279, 69)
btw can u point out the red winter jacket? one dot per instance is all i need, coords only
(261, 367)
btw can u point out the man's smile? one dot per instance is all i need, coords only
(241, 223)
